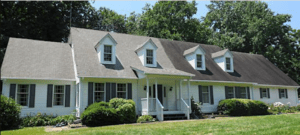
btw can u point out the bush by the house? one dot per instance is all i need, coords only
(117, 111)
(276, 109)
(196, 109)
(145, 118)
(10, 113)
(242, 107)
(45, 120)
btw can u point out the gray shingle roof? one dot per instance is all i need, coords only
(191, 50)
(251, 68)
(219, 53)
(33, 59)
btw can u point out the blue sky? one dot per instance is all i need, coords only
(126, 7)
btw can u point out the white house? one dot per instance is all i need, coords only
(158, 74)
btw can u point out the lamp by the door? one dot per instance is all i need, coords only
(145, 87)
(171, 88)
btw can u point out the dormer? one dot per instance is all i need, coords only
(224, 59)
(106, 50)
(196, 57)
(147, 53)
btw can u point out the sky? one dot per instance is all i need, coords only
(126, 7)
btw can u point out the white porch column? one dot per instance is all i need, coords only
(156, 89)
(188, 88)
(180, 93)
(176, 100)
(147, 95)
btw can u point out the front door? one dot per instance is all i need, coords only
(159, 92)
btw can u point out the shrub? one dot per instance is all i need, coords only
(298, 107)
(145, 118)
(125, 109)
(242, 107)
(196, 109)
(10, 113)
(44, 120)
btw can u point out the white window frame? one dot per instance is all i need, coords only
(104, 91)
(229, 64)
(266, 92)
(111, 54)
(283, 93)
(28, 95)
(197, 60)
(149, 57)
(233, 92)
(122, 91)
(208, 91)
(53, 98)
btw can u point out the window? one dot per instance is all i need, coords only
(282, 93)
(264, 92)
(59, 93)
(22, 94)
(149, 56)
(243, 92)
(99, 92)
(107, 52)
(228, 64)
(205, 94)
(230, 92)
(199, 61)
(121, 91)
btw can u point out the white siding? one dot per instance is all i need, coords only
(192, 59)
(221, 61)
(142, 54)
(100, 49)
(41, 97)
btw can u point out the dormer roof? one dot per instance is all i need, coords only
(220, 53)
(109, 36)
(142, 45)
(192, 50)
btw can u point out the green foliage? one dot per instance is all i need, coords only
(283, 109)
(10, 113)
(117, 111)
(196, 109)
(44, 120)
(145, 118)
(242, 107)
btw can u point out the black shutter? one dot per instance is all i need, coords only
(260, 91)
(113, 90)
(49, 95)
(286, 93)
(248, 92)
(226, 92)
(154, 93)
(200, 94)
(129, 90)
(90, 93)
(149, 91)
(279, 93)
(32, 95)
(211, 95)
(12, 93)
(68, 95)
(108, 86)
(268, 90)
(165, 92)
(237, 92)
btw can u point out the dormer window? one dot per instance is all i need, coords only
(228, 64)
(224, 59)
(149, 57)
(196, 57)
(199, 61)
(106, 50)
(147, 53)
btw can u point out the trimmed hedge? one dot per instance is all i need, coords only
(44, 120)
(242, 107)
(145, 118)
(10, 113)
(117, 111)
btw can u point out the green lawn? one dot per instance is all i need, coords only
(271, 124)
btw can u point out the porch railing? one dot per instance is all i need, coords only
(152, 104)
(160, 110)
(185, 107)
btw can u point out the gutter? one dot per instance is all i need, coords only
(3, 78)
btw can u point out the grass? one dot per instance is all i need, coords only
(271, 124)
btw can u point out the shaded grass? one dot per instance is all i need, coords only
(271, 124)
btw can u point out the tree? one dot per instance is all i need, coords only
(249, 26)
(172, 20)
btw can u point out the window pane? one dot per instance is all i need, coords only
(99, 96)
(149, 56)
(59, 92)
(99, 86)
(205, 94)
(107, 49)
(230, 92)
(149, 60)
(22, 95)
(121, 91)
(228, 64)
(199, 61)
(264, 93)
(243, 92)
(107, 57)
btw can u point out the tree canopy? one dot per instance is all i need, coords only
(245, 26)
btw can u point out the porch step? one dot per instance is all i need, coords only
(175, 117)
